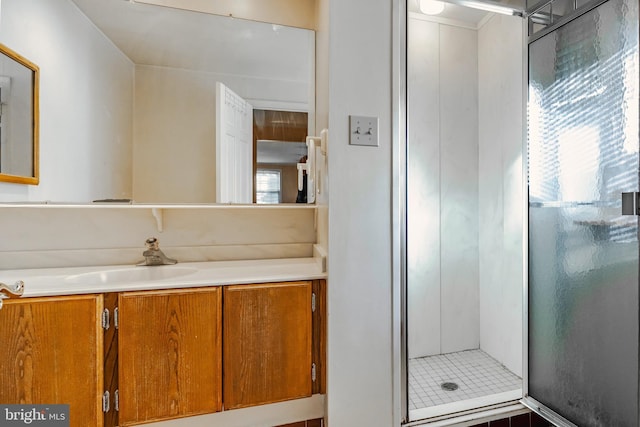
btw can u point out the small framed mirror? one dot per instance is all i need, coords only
(19, 120)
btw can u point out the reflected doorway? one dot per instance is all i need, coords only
(279, 145)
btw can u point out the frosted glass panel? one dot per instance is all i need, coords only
(583, 255)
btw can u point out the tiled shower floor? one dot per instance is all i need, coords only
(475, 372)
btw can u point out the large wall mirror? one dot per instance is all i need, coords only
(128, 94)
(18, 118)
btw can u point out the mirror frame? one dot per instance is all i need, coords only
(34, 179)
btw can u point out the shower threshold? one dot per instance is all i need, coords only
(465, 405)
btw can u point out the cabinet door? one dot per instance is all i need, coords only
(169, 349)
(267, 343)
(51, 353)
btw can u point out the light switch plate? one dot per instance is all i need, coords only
(363, 131)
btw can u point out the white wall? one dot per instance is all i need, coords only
(174, 154)
(295, 13)
(360, 288)
(86, 103)
(442, 230)
(500, 66)
(66, 236)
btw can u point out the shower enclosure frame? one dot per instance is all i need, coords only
(400, 220)
(399, 217)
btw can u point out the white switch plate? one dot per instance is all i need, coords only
(363, 131)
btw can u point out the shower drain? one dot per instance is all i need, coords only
(449, 386)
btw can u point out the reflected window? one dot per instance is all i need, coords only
(268, 186)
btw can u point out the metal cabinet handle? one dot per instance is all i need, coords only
(630, 203)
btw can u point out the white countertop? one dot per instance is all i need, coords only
(87, 280)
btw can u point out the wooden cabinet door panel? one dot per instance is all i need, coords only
(169, 354)
(51, 353)
(267, 343)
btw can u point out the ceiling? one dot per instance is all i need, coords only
(164, 36)
(464, 15)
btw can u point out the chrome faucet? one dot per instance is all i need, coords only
(153, 255)
(17, 290)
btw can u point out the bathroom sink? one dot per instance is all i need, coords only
(128, 275)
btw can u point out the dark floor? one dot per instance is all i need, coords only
(309, 423)
(524, 420)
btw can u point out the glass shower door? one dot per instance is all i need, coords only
(583, 309)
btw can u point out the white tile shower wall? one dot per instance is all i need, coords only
(59, 236)
(443, 194)
(500, 188)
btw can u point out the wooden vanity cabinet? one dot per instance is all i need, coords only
(51, 353)
(163, 359)
(267, 343)
(169, 354)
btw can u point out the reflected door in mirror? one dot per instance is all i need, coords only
(234, 155)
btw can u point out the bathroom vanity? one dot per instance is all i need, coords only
(168, 342)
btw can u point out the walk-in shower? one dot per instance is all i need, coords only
(465, 85)
(576, 64)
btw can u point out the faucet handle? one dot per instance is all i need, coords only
(17, 290)
(152, 243)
